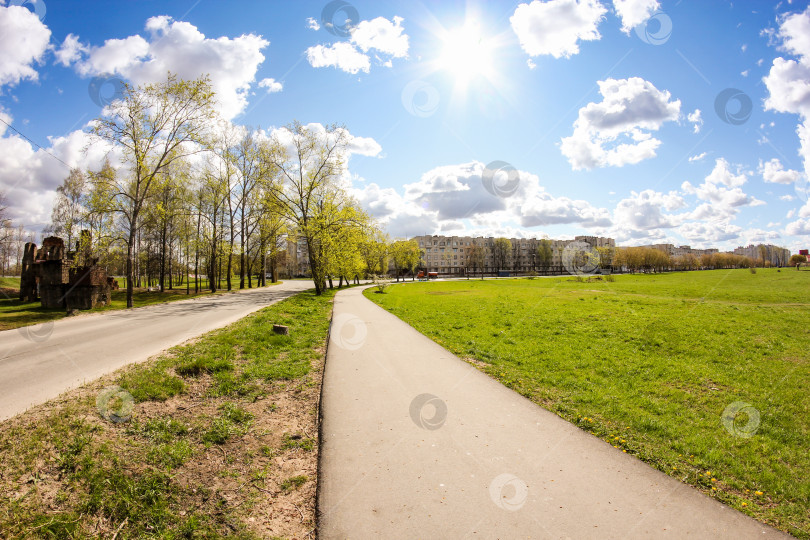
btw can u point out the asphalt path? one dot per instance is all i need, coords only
(39, 362)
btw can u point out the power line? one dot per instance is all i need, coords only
(35, 144)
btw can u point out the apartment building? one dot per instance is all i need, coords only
(677, 251)
(297, 257)
(449, 254)
(777, 256)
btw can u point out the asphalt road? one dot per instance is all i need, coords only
(37, 363)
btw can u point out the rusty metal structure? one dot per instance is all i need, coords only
(61, 279)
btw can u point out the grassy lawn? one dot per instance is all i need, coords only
(649, 363)
(221, 442)
(10, 283)
(14, 313)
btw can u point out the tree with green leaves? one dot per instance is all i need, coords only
(310, 163)
(545, 254)
(153, 125)
(797, 260)
(68, 211)
(406, 254)
(374, 251)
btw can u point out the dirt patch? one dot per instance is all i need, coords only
(262, 482)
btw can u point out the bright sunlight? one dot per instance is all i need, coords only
(467, 53)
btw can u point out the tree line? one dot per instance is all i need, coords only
(201, 202)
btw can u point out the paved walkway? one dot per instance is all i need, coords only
(417, 443)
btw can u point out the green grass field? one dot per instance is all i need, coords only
(650, 363)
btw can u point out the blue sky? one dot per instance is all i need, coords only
(583, 113)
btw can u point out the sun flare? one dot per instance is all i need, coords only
(467, 53)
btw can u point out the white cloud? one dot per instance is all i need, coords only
(788, 84)
(29, 177)
(454, 192)
(804, 211)
(534, 207)
(382, 35)
(634, 12)
(697, 157)
(800, 227)
(629, 109)
(695, 118)
(341, 55)
(312, 24)
(787, 198)
(453, 197)
(70, 51)
(556, 27)
(385, 39)
(530, 63)
(643, 211)
(744, 73)
(794, 31)
(788, 80)
(400, 217)
(709, 233)
(180, 48)
(23, 42)
(722, 193)
(772, 171)
(272, 85)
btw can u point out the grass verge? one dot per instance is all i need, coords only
(703, 375)
(214, 439)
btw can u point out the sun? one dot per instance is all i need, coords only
(466, 53)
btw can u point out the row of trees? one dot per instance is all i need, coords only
(198, 196)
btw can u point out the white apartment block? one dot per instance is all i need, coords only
(777, 256)
(449, 254)
(297, 257)
(677, 251)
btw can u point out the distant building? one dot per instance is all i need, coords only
(775, 255)
(449, 254)
(679, 251)
(297, 257)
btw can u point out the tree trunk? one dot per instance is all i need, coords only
(171, 266)
(212, 272)
(162, 273)
(130, 274)
(249, 270)
(242, 242)
(230, 251)
(262, 247)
